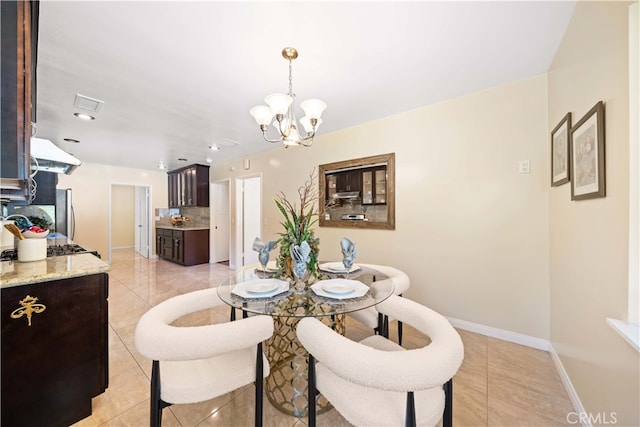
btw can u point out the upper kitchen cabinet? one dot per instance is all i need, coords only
(189, 186)
(374, 186)
(349, 181)
(19, 36)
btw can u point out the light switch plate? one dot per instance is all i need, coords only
(524, 166)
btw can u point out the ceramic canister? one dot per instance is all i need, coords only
(32, 250)
(6, 238)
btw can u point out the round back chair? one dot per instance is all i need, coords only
(376, 381)
(198, 363)
(375, 320)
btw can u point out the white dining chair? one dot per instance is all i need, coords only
(376, 382)
(375, 320)
(198, 363)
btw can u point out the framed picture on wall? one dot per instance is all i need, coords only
(587, 155)
(560, 136)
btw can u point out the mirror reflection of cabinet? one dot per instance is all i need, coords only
(332, 186)
(374, 186)
(348, 181)
(358, 193)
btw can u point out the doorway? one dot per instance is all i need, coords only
(220, 222)
(248, 218)
(129, 218)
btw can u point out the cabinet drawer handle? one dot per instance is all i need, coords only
(29, 307)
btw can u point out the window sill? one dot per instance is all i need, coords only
(629, 331)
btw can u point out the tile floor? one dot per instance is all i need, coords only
(499, 383)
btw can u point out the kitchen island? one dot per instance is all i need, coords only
(54, 342)
(14, 273)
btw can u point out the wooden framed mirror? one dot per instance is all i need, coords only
(358, 193)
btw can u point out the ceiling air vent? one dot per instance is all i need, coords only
(86, 103)
(226, 143)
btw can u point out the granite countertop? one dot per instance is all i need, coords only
(15, 273)
(180, 227)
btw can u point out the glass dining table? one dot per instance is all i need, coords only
(329, 297)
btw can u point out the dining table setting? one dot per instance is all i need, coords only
(328, 292)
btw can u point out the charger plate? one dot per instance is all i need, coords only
(337, 267)
(340, 288)
(260, 288)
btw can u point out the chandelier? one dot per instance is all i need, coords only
(282, 107)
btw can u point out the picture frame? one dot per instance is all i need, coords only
(560, 144)
(588, 155)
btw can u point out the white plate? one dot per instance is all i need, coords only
(340, 288)
(338, 267)
(271, 268)
(337, 288)
(261, 288)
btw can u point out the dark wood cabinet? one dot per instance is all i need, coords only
(19, 24)
(46, 183)
(189, 186)
(374, 186)
(164, 243)
(56, 361)
(186, 247)
(349, 181)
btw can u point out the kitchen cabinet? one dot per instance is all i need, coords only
(164, 243)
(189, 186)
(349, 181)
(186, 247)
(54, 359)
(374, 186)
(19, 37)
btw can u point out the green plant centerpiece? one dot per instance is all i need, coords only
(298, 225)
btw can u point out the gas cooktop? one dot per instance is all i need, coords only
(52, 250)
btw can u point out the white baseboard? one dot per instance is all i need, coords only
(568, 386)
(528, 341)
(501, 334)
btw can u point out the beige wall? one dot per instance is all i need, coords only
(588, 239)
(471, 232)
(91, 184)
(122, 216)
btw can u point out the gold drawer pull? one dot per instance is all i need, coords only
(29, 307)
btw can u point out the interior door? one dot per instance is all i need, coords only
(220, 226)
(142, 209)
(251, 217)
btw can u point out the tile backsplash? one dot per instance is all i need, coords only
(198, 216)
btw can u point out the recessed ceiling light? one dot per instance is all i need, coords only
(162, 166)
(75, 141)
(84, 116)
(209, 160)
(214, 147)
(182, 159)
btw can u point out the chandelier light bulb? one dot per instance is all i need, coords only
(278, 102)
(313, 108)
(262, 114)
(306, 124)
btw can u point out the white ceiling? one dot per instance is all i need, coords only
(176, 77)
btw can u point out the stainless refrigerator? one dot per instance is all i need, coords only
(65, 218)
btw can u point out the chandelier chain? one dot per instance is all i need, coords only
(290, 79)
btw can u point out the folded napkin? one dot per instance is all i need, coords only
(300, 256)
(348, 252)
(263, 249)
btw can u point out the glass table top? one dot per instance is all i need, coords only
(259, 292)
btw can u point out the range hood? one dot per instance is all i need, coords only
(52, 158)
(347, 195)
